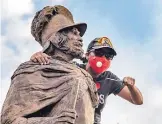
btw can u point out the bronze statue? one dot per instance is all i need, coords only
(57, 93)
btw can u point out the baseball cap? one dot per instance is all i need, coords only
(102, 42)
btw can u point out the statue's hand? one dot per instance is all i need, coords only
(41, 58)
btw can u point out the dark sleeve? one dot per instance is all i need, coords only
(116, 83)
(80, 65)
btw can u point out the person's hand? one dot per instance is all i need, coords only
(41, 58)
(129, 81)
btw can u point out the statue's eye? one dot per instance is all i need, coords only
(48, 16)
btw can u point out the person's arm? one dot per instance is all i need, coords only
(41, 58)
(126, 89)
(130, 92)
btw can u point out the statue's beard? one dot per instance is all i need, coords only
(60, 41)
(75, 51)
(74, 48)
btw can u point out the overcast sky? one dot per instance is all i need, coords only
(134, 27)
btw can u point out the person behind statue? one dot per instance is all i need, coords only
(100, 53)
(58, 93)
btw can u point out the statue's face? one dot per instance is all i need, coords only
(68, 41)
(74, 43)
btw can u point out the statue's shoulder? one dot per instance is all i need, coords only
(27, 66)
